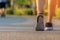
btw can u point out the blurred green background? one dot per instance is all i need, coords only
(20, 7)
(26, 7)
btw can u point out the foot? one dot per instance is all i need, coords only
(49, 26)
(2, 15)
(40, 23)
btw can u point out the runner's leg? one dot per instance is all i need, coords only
(51, 12)
(3, 4)
(40, 19)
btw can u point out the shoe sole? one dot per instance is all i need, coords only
(48, 28)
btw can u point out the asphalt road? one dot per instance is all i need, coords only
(23, 28)
(17, 23)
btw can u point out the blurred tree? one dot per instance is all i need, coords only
(11, 6)
(32, 4)
(19, 2)
(12, 3)
(8, 3)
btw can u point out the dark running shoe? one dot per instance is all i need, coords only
(49, 26)
(40, 23)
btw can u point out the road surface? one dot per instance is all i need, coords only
(23, 28)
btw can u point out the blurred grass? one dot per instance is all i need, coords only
(57, 11)
(19, 12)
(18, 8)
(22, 11)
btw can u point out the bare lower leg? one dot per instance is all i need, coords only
(51, 10)
(59, 3)
(3, 14)
(40, 4)
(0, 11)
(3, 10)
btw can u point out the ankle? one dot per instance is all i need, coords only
(40, 14)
